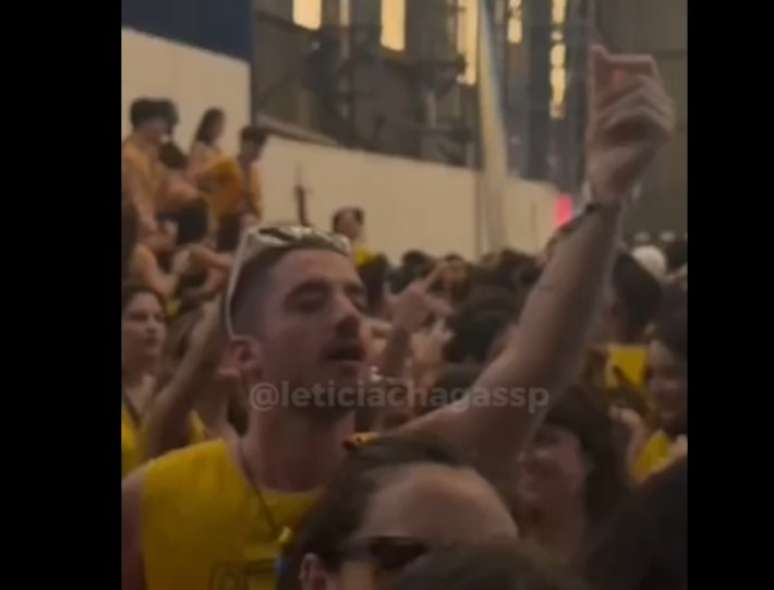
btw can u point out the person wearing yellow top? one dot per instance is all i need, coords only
(204, 148)
(141, 169)
(652, 449)
(232, 187)
(294, 316)
(143, 333)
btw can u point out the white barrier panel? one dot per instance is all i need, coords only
(195, 79)
(408, 203)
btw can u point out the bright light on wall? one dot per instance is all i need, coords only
(307, 13)
(467, 38)
(394, 24)
(515, 23)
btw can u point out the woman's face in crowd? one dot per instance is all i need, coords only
(553, 470)
(668, 383)
(143, 329)
(424, 505)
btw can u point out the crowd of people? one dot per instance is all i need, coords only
(299, 411)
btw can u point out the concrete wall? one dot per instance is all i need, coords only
(408, 204)
(194, 78)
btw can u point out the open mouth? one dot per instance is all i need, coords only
(351, 352)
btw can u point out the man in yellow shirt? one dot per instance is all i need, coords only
(141, 168)
(232, 187)
(216, 515)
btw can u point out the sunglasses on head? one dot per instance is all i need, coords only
(260, 239)
(387, 553)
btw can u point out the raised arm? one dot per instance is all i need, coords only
(167, 425)
(631, 118)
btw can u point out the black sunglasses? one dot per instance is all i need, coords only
(387, 553)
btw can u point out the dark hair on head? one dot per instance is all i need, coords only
(671, 327)
(169, 112)
(129, 231)
(253, 275)
(205, 132)
(144, 109)
(172, 156)
(638, 294)
(607, 484)
(495, 565)
(477, 323)
(357, 212)
(414, 265)
(453, 257)
(253, 134)
(130, 290)
(340, 510)
(373, 273)
(644, 546)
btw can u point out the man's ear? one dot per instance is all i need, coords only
(245, 355)
(313, 575)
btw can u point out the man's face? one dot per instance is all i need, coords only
(312, 330)
(156, 129)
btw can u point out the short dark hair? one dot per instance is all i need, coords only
(607, 485)
(637, 291)
(340, 510)
(504, 565)
(644, 546)
(143, 110)
(253, 275)
(204, 132)
(253, 134)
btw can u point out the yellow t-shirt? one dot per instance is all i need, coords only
(227, 187)
(654, 456)
(204, 526)
(132, 451)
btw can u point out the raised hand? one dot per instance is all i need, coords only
(414, 305)
(631, 118)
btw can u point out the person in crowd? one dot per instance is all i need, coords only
(657, 442)
(500, 565)
(294, 313)
(233, 188)
(645, 544)
(139, 257)
(142, 170)
(373, 273)
(392, 500)
(616, 362)
(455, 280)
(570, 479)
(171, 115)
(205, 148)
(349, 222)
(154, 420)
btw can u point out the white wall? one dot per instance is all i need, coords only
(408, 204)
(195, 79)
